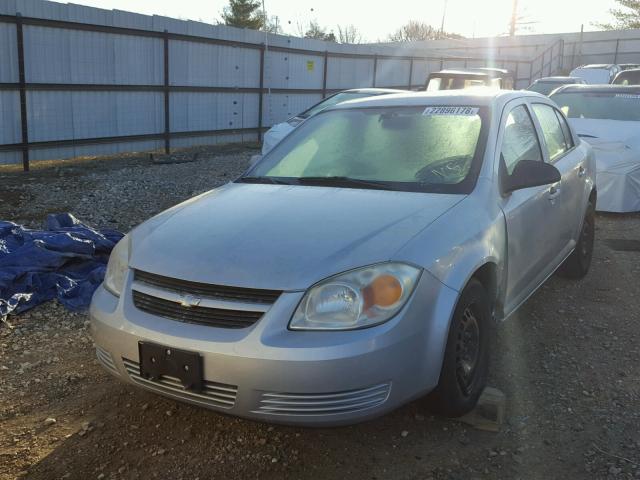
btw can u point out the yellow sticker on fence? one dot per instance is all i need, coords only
(310, 65)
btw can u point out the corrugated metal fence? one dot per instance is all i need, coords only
(70, 88)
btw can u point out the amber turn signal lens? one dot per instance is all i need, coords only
(384, 291)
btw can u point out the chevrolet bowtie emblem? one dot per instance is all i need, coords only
(189, 301)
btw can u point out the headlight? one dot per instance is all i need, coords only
(359, 298)
(117, 267)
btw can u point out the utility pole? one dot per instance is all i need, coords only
(514, 19)
(444, 14)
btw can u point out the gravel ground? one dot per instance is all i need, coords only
(568, 362)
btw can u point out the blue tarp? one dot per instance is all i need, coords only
(67, 260)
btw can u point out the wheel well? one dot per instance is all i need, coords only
(593, 196)
(487, 275)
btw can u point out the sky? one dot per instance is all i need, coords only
(376, 20)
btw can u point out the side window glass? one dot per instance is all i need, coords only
(568, 139)
(551, 129)
(520, 141)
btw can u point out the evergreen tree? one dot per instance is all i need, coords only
(626, 17)
(243, 14)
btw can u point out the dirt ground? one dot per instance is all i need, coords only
(568, 362)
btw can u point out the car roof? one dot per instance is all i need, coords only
(491, 70)
(602, 66)
(373, 91)
(610, 88)
(558, 79)
(627, 71)
(477, 96)
(469, 73)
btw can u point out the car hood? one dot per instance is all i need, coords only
(615, 143)
(281, 237)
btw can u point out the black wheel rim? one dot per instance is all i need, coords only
(586, 238)
(467, 349)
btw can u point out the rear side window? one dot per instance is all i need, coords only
(630, 77)
(568, 139)
(520, 141)
(551, 129)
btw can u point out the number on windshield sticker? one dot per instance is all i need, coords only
(430, 111)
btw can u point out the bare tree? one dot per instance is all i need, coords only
(349, 34)
(520, 21)
(271, 23)
(415, 30)
(314, 30)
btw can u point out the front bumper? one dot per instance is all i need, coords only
(269, 373)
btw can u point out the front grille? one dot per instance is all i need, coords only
(214, 317)
(314, 404)
(215, 395)
(221, 292)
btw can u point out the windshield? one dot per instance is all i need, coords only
(628, 78)
(401, 148)
(333, 100)
(545, 88)
(600, 105)
(455, 83)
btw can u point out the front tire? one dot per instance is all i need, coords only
(577, 264)
(466, 360)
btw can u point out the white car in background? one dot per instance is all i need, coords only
(608, 117)
(280, 130)
(546, 85)
(596, 74)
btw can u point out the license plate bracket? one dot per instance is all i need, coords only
(157, 361)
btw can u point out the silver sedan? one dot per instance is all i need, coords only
(359, 265)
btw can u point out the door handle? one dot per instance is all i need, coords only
(554, 191)
(581, 171)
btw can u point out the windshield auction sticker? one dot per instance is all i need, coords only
(430, 111)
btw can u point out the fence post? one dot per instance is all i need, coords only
(410, 72)
(581, 39)
(615, 55)
(324, 74)
(167, 113)
(515, 75)
(375, 68)
(561, 64)
(261, 99)
(23, 94)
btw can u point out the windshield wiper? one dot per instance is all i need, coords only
(586, 135)
(345, 182)
(268, 180)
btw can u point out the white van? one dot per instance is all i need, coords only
(596, 74)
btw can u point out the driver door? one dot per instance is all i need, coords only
(528, 212)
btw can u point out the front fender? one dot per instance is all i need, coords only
(461, 241)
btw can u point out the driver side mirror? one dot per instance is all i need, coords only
(529, 173)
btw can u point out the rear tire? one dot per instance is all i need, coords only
(466, 360)
(577, 264)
